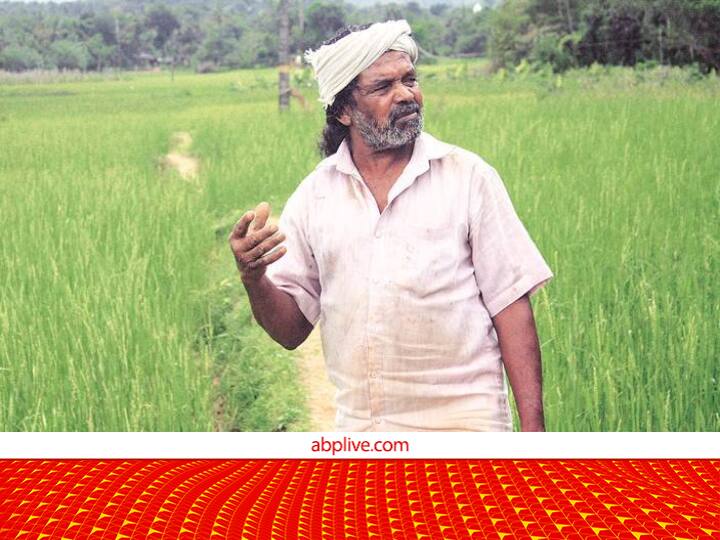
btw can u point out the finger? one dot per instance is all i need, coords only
(256, 237)
(262, 212)
(241, 227)
(268, 259)
(266, 246)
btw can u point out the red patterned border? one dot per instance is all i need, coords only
(317, 499)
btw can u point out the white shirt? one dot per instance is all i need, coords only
(405, 297)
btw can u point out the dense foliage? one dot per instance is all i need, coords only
(570, 33)
(206, 36)
(231, 34)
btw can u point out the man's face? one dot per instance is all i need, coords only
(388, 111)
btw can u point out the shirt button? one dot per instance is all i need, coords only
(377, 420)
(373, 374)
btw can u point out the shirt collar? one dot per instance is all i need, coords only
(343, 159)
(426, 148)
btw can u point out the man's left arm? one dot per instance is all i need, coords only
(520, 350)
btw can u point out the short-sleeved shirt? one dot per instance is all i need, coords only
(405, 297)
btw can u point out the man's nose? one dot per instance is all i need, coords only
(403, 93)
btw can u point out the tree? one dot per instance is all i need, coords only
(244, 33)
(188, 40)
(217, 49)
(19, 58)
(428, 33)
(164, 22)
(392, 12)
(105, 26)
(703, 20)
(438, 10)
(553, 50)
(625, 34)
(68, 54)
(510, 37)
(322, 20)
(100, 54)
(467, 32)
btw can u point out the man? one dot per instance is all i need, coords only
(408, 252)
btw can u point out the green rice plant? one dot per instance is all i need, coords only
(621, 194)
(120, 308)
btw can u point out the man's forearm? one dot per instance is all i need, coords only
(277, 312)
(520, 350)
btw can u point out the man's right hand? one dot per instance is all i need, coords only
(252, 243)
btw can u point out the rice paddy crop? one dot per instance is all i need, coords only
(119, 304)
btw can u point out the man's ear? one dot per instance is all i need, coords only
(344, 117)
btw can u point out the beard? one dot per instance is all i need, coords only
(394, 134)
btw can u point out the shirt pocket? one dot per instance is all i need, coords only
(428, 258)
(341, 241)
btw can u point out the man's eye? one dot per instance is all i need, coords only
(410, 81)
(382, 88)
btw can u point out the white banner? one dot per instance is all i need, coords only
(359, 445)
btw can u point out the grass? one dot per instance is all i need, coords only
(105, 272)
(119, 304)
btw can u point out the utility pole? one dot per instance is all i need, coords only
(567, 15)
(301, 23)
(283, 60)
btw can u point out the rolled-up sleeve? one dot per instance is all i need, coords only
(507, 262)
(296, 272)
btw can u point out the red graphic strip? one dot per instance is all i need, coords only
(398, 499)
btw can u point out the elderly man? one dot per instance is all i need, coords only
(408, 252)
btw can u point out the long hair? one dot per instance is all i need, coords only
(334, 132)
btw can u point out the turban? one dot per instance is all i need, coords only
(337, 64)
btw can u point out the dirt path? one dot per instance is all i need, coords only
(179, 159)
(311, 364)
(319, 390)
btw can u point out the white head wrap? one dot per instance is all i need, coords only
(337, 64)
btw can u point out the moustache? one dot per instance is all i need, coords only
(403, 109)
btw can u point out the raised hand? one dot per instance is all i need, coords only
(253, 242)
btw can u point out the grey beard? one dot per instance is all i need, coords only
(384, 137)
